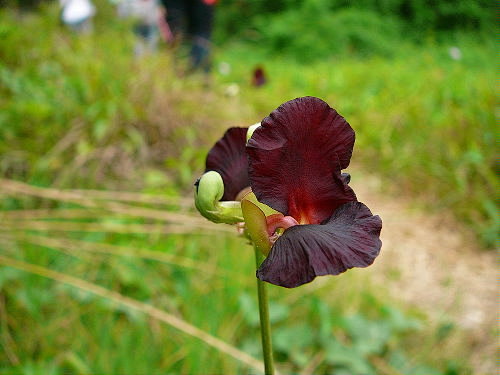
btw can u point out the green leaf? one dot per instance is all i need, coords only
(369, 337)
(278, 312)
(341, 355)
(298, 336)
(248, 307)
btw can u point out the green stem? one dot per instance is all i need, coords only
(265, 324)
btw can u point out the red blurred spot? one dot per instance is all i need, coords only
(259, 77)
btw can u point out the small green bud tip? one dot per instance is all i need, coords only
(209, 189)
(251, 129)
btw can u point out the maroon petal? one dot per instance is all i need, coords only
(295, 159)
(228, 157)
(349, 239)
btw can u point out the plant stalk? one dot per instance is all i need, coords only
(265, 324)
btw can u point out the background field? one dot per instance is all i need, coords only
(99, 151)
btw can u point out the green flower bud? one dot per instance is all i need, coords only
(209, 191)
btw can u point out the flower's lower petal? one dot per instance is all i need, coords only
(350, 238)
(228, 157)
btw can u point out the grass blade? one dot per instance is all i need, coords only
(72, 246)
(136, 305)
(16, 187)
(122, 228)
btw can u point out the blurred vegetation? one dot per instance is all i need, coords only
(316, 29)
(425, 116)
(78, 111)
(422, 120)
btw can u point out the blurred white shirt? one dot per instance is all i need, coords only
(75, 11)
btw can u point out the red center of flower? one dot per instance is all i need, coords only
(303, 210)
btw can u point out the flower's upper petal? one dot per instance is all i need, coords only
(349, 239)
(228, 157)
(295, 159)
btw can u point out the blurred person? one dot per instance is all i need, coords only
(192, 19)
(149, 23)
(77, 14)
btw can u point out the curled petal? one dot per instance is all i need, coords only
(228, 157)
(209, 190)
(349, 239)
(295, 159)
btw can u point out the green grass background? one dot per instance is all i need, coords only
(78, 111)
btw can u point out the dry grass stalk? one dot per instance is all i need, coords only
(58, 213)
(136, 305)
(65, 226)
(72, 245)
(133, 197)
(16, 187)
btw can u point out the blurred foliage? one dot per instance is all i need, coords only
(78, 111)
(423, 119)
(347, 326)
(315, 29)
(78, 108)
(358, 337)
(307, 37)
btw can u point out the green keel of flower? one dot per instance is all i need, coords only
(263, 224)
(255, 226)
(208, 193)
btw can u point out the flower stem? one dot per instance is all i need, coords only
(265, 324)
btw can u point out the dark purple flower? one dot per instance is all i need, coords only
(295, 159)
